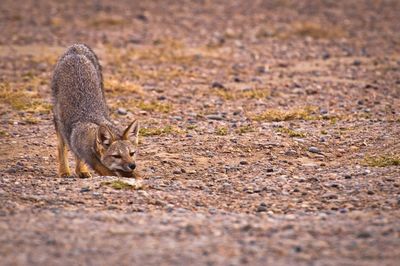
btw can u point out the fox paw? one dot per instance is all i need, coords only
(84, 175)
(66, 175)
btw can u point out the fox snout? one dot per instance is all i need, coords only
(128, 167)
(131, 166)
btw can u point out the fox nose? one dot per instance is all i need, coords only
(132, 166)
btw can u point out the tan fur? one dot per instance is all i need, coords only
(82, 121)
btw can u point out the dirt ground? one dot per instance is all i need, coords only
(269, 133)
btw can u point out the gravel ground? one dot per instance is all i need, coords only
(270, 133)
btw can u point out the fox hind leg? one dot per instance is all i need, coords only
(63, 166)
(81, 169)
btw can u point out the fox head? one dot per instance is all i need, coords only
(118, 154)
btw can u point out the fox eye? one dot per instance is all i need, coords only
(132, 153)
(116, 156)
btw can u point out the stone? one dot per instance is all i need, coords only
(217, 85)
(214, 117)
(122, 111)
(314, 149)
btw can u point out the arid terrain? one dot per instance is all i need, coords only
(269, 133)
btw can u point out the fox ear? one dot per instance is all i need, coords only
(132, 132)
(104, 136)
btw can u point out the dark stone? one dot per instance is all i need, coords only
(217, 85)
(347, 176)
(326, 55)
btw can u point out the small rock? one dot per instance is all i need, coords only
(11, 170)
(161, 98)
(330, 196)
(347, 176)
(323, 111)
(356, 62)
(237, 112)
(270, 170)
(326, 55)
(122, 111)
(262, 208)
(214, 117)
(85, 189)
(297, 249)
(142, 17)
(314, 149)
(261, 69)
(237, 79)
(177, 118)
(177, 172)
(243, 162)
(364, 235)
(217, 85)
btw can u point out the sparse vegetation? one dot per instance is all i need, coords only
(159, 131)
(317, 31)
(118, 184)
(257, 93)
(277, 115)
(22, 100)
(104, 20)
(112, 85)
(244, 129)
(154, 106)
(291, 132)
(383, 160)
(221, 131)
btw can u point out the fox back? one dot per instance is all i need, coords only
(78, 95)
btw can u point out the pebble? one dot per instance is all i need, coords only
(177, 118)
(347, 176)
(357, 62)
(364, 235)
(214, 117)
(177, 171)
(330, 196)
(243, 162)
(217, 85)
(85, 189)
(161, 98)
(122, 111)
(314, 149)
(11, 170)
(323, 111)
(326, 55)
(261, 69)
(262, 208)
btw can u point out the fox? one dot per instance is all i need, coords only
(82, 121)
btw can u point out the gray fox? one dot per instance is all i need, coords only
(82, 121)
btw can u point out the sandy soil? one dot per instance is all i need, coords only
(270, 133)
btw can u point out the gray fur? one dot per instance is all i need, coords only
(79, 102)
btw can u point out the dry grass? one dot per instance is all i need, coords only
(244, 129)
(104, 20)
(292, 133)
(316, 31)
(256, 93)
(22, 100)
(112, 85)
(167, 130)
(221, 131)
(119, 185)
(154, 106)
(383, 160)
(276, 115)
